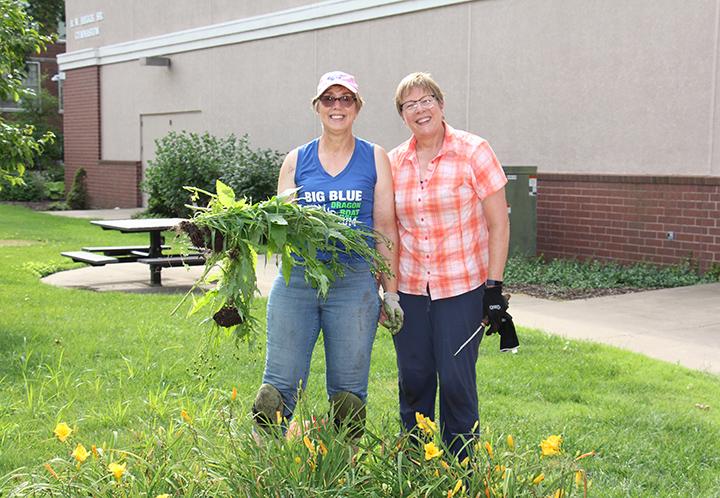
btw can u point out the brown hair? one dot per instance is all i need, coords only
(417, 80)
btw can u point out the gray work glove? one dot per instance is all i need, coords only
(393, 312)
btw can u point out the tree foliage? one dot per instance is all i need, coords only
(47, 13)
(19, 37)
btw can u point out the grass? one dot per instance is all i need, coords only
(120, 370)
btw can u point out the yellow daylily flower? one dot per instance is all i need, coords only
(488, 448)
(558, 494)
(298, 460)
(309, 445)
(510, 442)
(425, 424)
(445, 465)
(540, 478)
(465, 462)
(551, 445)
(233, 395)
(322, 448)
(117, 470)
(164, 495)
(185, 416)
(452, 492)
(62, 431)
(80, 453)
(432, 451)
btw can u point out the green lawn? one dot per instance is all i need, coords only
(118, 368)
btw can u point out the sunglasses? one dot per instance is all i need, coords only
(344, 100)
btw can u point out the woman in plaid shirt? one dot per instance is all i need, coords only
(454, 231)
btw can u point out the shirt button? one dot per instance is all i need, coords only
(419, 199)
(427, 256)
(425, 238)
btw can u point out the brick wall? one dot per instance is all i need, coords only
(110, 183)
(627, 218)
(119, 183)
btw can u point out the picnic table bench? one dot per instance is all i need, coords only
(151, 255)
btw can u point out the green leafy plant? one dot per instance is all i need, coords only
(77, 198)
(209, 453)
(253, 173)
(31, 189)
(235, 230)
(193, 159)
(41, 113)
(568, 278)
(19, 36)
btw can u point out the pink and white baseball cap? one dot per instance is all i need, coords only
(336, 78)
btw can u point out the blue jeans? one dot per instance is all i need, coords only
(348, 318)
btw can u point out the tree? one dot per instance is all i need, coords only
(19, 36)
(47, 13)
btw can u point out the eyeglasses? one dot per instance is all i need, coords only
(345, 100)
(425, 103)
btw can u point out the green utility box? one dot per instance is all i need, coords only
(521, 195)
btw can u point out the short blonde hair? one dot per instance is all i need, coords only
(417, 80)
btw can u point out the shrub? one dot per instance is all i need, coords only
(253, 173)
(575, 274)
(189, 159)
(31, 189)
(77, 198)
(55, 191)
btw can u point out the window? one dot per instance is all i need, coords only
(59, 78)
(32, 82)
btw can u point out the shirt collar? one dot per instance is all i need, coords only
(446, 147)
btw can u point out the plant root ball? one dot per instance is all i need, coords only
(227, 316)
(199, 236)
(218, 242)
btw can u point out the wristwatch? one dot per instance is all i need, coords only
(493, 283)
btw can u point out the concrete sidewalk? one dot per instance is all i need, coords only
(99, 214)
(680, 325)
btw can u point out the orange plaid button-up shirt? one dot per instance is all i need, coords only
(442, 229)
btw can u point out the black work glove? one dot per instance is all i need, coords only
(494, 307)
(508, 336)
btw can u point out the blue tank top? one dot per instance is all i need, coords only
(350, 194)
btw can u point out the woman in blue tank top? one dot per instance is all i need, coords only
(350, 177)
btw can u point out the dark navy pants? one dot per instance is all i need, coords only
(432, 331)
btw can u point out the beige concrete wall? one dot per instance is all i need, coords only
(126, 20)
(597, 86)
(587, 86)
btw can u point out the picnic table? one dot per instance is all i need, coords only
(151, 254)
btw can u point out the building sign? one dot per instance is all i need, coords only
(82, 21)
